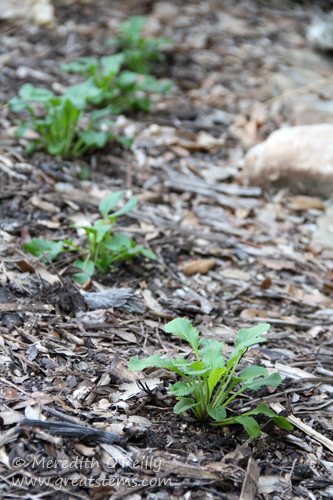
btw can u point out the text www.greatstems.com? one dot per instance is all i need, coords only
(88, 482)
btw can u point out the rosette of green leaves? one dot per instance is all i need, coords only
(104, 248)
(58, 120)
(209, 383)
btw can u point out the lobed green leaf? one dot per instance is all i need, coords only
(31, 93)
(152, 361)
(283, 423)
(247, 337)
(273, 380)
(211, 353)
(214, 377)
(196, 368)
(82, 65)
(111, 65)
(183, 328)
(133, 27)
(119, 243)
(251, 372)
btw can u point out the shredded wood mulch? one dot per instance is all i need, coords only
(75, 422)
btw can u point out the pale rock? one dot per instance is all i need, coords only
(39, 12)
(298, 158)
(42, 12)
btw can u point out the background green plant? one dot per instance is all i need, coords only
(139, 52)
(103, 248)
(63, 126)
(120, 90)
(211, 381)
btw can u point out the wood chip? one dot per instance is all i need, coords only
(301, 202)
(198, 266)
(250, 484)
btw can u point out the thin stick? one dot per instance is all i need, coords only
(305, 428)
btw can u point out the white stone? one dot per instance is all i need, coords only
(298, 158)
(39, 12)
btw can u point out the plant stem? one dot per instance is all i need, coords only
(234, 395)
(220, 393)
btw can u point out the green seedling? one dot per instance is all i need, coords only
(119, 90)
(104, 248)
(139, 53)
(209, 383)
(62, 125)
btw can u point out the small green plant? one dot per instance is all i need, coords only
(103, 248)
(63, 126)
(120, 90)
(210, 380)
(61, 123)
(139, 52)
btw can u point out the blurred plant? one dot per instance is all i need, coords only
(120, 90)
(61, 123)
(104, 248)
(139, 52)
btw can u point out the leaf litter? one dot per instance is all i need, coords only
(228, 257)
